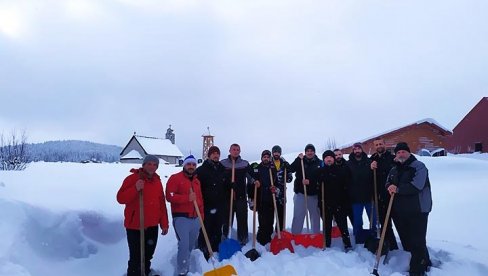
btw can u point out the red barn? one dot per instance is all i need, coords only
(425, 134)
(471, 133)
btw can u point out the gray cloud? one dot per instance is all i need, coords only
(258, 73)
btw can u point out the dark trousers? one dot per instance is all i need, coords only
(339, 214)
(266, 221)
(280, 207)
(389, 236)
(240, 210)
(214, 218)
(133, 239)
(412, 229)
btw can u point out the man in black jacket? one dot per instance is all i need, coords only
(312, 165)
(344, 171)
(409, 181)
(211, 176)
(382, 162)
(242, 178)
(360, 188)
(333, 185)
(264, 197)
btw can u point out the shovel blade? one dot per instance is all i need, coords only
(277, 245)
(306, 240)
(227, 248)
(226, 270)
(252, 254)
(336, 232)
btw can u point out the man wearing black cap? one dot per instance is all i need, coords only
(409, 181)
(360, 188)
(281, 164)
(264, 199)
(211, 176)
(333, 185)
(311, 165)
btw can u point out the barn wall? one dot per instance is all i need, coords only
(417, 136)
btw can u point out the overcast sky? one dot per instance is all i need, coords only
(258, 73)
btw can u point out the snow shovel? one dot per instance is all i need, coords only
(323, 216)
(228, 247)
(141, 233)
(253, 254)
(382, 239)
(284, 199)
(278, 243)
(226, 270)
(305, 193)
(372, 242)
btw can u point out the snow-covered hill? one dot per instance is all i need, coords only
(63, 219)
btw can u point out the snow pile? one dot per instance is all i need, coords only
(63, 219)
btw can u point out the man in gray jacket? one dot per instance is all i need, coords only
(409, 181)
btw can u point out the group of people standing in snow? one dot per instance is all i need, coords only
(348, 188)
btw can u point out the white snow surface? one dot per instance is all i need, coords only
(63, 219)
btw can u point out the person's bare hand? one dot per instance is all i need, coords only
(192, 196)
(139, 185)
(392, 189)
(374, 165)
(164, 231)
(257, 183)
(305, 181)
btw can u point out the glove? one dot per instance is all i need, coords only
(250, 203)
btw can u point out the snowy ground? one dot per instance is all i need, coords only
(63, 219)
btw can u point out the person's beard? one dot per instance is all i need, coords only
(358, 155)
(381, 150)
(189, 173)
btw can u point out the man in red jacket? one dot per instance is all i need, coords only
(181, 190)
(144, 179)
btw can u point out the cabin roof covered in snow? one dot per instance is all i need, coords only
(154, 146)
(426, 120)
(158, 146)
(133, 154)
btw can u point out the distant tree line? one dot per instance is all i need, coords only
(73, 151)
(16, 153)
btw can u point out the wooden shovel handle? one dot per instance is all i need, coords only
(274, 204)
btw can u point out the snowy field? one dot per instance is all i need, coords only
(63, 219)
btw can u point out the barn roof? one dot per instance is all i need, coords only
(426, 120)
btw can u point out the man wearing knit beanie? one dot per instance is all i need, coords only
(311, 166)
(212, 178)
(409, 181)
(333, 186)
(182, 189)
(150, 158)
